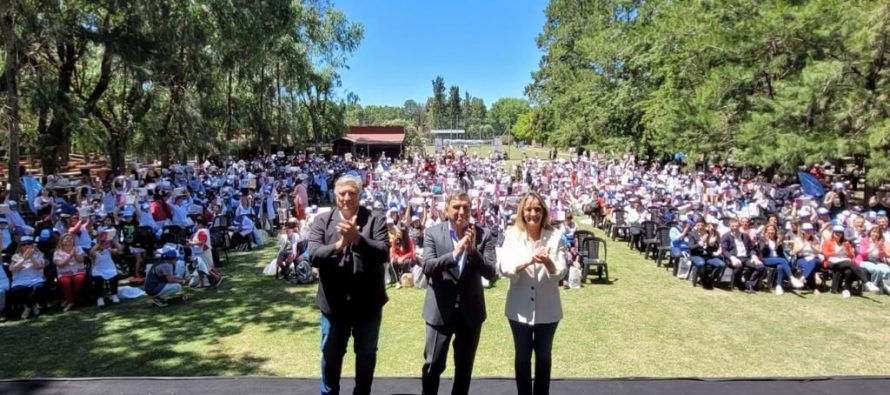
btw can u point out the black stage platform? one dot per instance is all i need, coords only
(861, 385)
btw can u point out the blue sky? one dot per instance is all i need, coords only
(486, 47)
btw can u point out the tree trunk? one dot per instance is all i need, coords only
(12, 102)
(278, 110)
(164, 154)
(117, 151)
(52, 143)
(263, 132)
(49, 153)
(314, 121)
(65, 150)
(229, 127)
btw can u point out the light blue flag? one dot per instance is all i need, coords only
(32, 190)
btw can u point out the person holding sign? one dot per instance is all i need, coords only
(456, 255)
(534, 259)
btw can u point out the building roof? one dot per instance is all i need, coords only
(379, 138)
(376, 134)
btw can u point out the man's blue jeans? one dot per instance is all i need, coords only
(700, 261)
(335, 333)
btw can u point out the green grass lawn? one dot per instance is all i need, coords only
(643, 324)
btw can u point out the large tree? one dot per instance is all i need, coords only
(454, 109)
(8, 16)
(437, 106)
(504, 113)
(172, 79)
(768, 83)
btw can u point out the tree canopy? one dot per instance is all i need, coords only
(443, 109)
(172, 79)
(768, 83)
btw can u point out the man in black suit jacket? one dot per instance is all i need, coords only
(739, 253)
(456, 255)
(349, 246)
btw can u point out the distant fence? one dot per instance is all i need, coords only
(473, 143)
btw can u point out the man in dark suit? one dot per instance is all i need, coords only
(739, 253)
(456, 255)
(349, 246)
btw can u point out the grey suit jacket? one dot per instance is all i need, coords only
(450, 294)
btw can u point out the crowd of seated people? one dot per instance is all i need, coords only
(750, 231)
(86, 239)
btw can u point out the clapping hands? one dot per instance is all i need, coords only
(541, 255)
(349, 233)
(466, 243)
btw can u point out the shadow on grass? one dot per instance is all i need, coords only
(603, 281)
(134, 339)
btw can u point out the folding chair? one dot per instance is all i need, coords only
(649, 238)
(219, 241)
(619, 228)
(590, 248)
(663, 248)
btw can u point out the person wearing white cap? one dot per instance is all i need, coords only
(822, 220)
(806, 249)
(104, 271)
(27, 276)
(179, 210)
(872, 257)
(838, 254)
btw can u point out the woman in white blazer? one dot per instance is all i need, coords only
(534, 259)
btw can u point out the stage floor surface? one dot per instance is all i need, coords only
(860, 385)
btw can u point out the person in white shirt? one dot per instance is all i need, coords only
(634, 221)
(202, 251)
(179, 209)
(43, 203)
(534, 259)
(104, 270)
(27, 276)
(147, 220)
